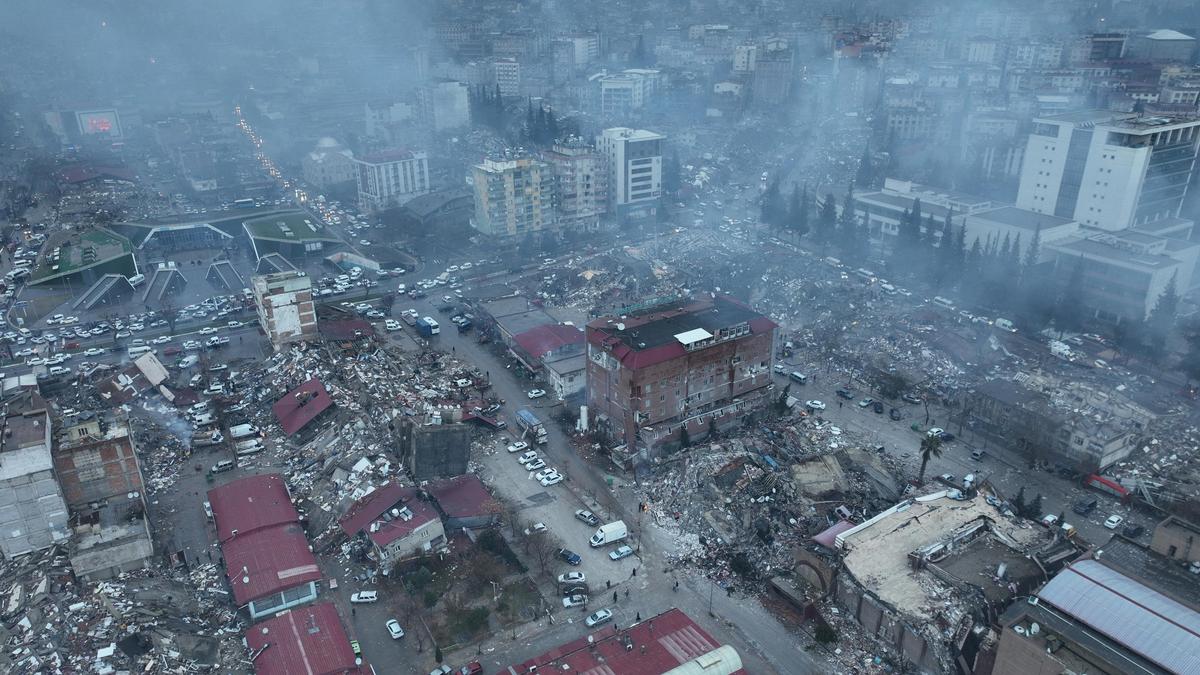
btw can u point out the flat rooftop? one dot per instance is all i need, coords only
(291, 227)
(1156, 571)
(80, 251)
(1096, 250)
(1022, 218)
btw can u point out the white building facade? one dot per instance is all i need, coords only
(391, 178)
(633, 159)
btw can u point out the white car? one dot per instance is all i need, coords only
(36, 361)
(161, 340)
(208, 330)
(546, 473)
(534, 465)
(527, 457)
(935, 432)
(552, 479)
(623, 552)
(191, 346)
(572, 578)
(364, 596)
(575, 601)
(391, 325)
(598, 617)
(518, 446)
(394, 629)
(1114, 521)
(536, 393)
(814, 405)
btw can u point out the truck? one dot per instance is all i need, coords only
(608, 533)
(1108, 486)
(409, 316)
(208, 438)
(248, 447)
(427, 327)
(531, 426)
(243, 431)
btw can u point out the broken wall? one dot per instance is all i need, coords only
(884, 624)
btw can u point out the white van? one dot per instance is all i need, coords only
(249, 448)
(203, 420)
(136, 280)
(243, 431)
(188, 361)
(138, 351)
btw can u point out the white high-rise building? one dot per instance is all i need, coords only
(633, 159)
(391, 178)
(1110, 171)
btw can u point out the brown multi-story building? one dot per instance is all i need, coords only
(690, 364)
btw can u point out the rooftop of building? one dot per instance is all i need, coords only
(625, 133)
(291, 227)
(386, 156)
(1168, 35)
(1091, 249)
(267, 561)
(391, 499)
(1165, 226)
(655, 646)
(1087, 651)
(541, 340)
(91, 427)
(1176, 524)
(301, 405)
(565, 366)
(876, 552)
(1155, 570)
(251, 503)
(26, 450)
(79, 251)
(429, 204)
(1021, 218)
(668, 333)
(1128, 612)
(461, 496)
(309, 639)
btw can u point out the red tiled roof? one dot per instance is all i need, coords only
(250, 504)
(461, 496)
(538, 341)
(372, 507)
(267, 561)
(306, 640)
(299, 406)
(670, 640)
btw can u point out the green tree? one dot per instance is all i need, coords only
(865, 175)
(437, 653)
(931, 446)
(827, 221)
(1018, 502)
(1162, 317)
(1035, 506)
(685, 439)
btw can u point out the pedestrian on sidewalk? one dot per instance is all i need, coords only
(614, 596)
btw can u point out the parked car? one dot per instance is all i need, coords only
(587, 517)
(1114, 521)
(622, 552)
(1133, 531)
(536, 393)
(846, 394)
(518, 446)
(568, 556)
(394, 629)
(598, 617)
(572, 578)
(364, 597)
(866, 402)
(535, 465)
(553, 479)
(575, 600)
(814, 405)
(537, 528)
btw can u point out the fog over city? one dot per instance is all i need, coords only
(518, 336)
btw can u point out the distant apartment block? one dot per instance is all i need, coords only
(513, 197)
(391, 178)
(581, 184)
(328, 164)
(633, 160)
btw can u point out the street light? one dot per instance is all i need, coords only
(495, 592)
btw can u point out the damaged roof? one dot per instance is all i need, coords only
(539, 341)
(301, 405)
(307, 640)
(461, 496)
(371, 508)
(641, 341)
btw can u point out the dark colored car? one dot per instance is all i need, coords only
(846, 394)
(911, 398)
(1133, 531)
(1085, 506)
(877, 406)
(568, 556)
(946, 437)
(894, 414)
